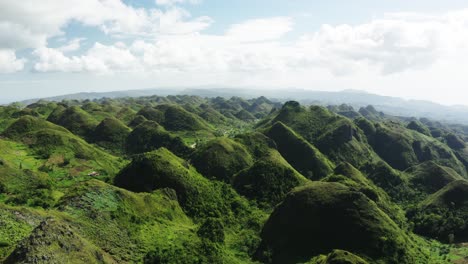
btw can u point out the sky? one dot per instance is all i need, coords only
(411, 49)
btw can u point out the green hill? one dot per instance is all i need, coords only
(74, 119)
(338, 257)
(188, 179)
(335, 136)
(111, 134)
(429, 177)
(221, 158)
(59, 150)
(419, 127)
(56, 242)
(268, 180)
(162, 169)
(299, 153)
(321, 217)
(403, 148)
(178, 119)
(150, 136)
(130, 225)
(443, 214)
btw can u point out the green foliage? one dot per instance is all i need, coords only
(60, 148)
(338, 257)
(320, 217)
(299, 153)
(161, 169)
(349, 176)
(419, 127)
(335, 136)
(454, 141)
(16, 224)
(256, 143)
(150, 136)
(177, 119)
(213, 230)
(111, 133)
(443, 215)
(429, 177)
(403, 148)
(54, 241)
(268, 180)
(244, 115)
(172, 213)
(74, 119)
(221, 158)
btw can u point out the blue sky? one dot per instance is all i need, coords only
(411, 49)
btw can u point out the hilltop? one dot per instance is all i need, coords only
(190, 179)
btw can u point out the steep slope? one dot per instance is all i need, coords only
(403, 148)
(74, 119)
(178, 119)
(17, 224)
(299, 153)
(321, 217)
(60, 148)
(162, 169)
(443, 215)
(129, 225)
(335, 136)
(221, 158)
(256, 143)
(56, 242)
(349, 176)
(268, 180)
(429, 177)
(150, 136)
(338, 257)
(111, 134)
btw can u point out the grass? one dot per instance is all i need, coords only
(221, 159)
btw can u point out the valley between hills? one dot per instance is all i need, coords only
(189, 179)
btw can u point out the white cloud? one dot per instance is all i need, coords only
(260, 29)
(176, 2)
(72, 45)
(171, 45)
(100, 59)
(9, 63)
(28, 24)
(393, 44)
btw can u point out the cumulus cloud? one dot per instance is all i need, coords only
(169, 41)
(100, 59)
(72, 45)
(9, 63)
(260, 29)
(27, 24)
(393, 44)
(175, 2)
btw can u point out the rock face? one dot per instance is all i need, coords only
(321, 217)
(56, 242)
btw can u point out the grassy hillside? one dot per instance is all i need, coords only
(221, 159)
(299, 153)
(321, 217)
(185, 179)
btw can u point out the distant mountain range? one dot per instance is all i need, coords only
(390, 105)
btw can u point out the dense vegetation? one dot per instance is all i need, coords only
(185, 179)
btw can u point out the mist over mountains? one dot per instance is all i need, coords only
(390, 105)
